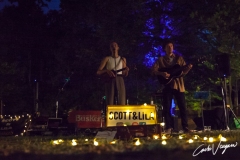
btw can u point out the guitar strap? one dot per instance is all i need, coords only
(116, 93)
(177, 58)
(117, 63)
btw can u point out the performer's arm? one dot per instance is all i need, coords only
(155, 71)
(125, 72)
(101, 69)
(187, 68)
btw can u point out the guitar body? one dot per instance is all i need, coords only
(175, 72)
(105, 77)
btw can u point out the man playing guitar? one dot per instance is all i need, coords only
(114, 68)
(175, 87)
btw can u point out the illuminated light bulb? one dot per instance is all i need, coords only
(137, 143)
(180, 137)
(124, 124)
(210, 139)
(164, 142)
(195, 136)
(55, 142)
(223, 139)
(205, 138)
(86, 140)
(164, 137)
(162, 124)
(74, 143)
(95, 143)
(60, 140)
(113, 142)
(190, 141)
(145, 104)
(155, 136)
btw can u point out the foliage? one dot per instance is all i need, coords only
(62, 49)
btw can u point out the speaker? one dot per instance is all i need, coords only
(223, 65)
(175, 123)
(214, 118)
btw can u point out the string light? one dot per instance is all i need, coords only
(162, 124)
(113, 142)
(222, 138)
(56, 142)
(164, 136)
(155, 136)
(95, 143)
(74, 143)
(210, 139)
(195, 137)
(137, 142)
(190, 141)
(164, 142)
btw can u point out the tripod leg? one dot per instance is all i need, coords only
(202, 114)
(224, 104)
(234, 115)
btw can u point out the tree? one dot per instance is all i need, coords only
(23, 49)
(221, 30)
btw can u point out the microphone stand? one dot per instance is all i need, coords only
(60, 90)
(224, 103)
(135, 69)
(226, 107)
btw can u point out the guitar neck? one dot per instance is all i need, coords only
(119, 70)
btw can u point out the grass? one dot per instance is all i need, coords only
(45, 147)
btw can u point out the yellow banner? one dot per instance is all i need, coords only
(128, 115)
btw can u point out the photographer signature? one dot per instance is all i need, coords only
(212, 148)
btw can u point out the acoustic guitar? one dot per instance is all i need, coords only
(105, 77)
(175, 71)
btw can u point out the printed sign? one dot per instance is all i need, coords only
(13, 125)
(107, 136)
(86, 119)
(118, 115)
